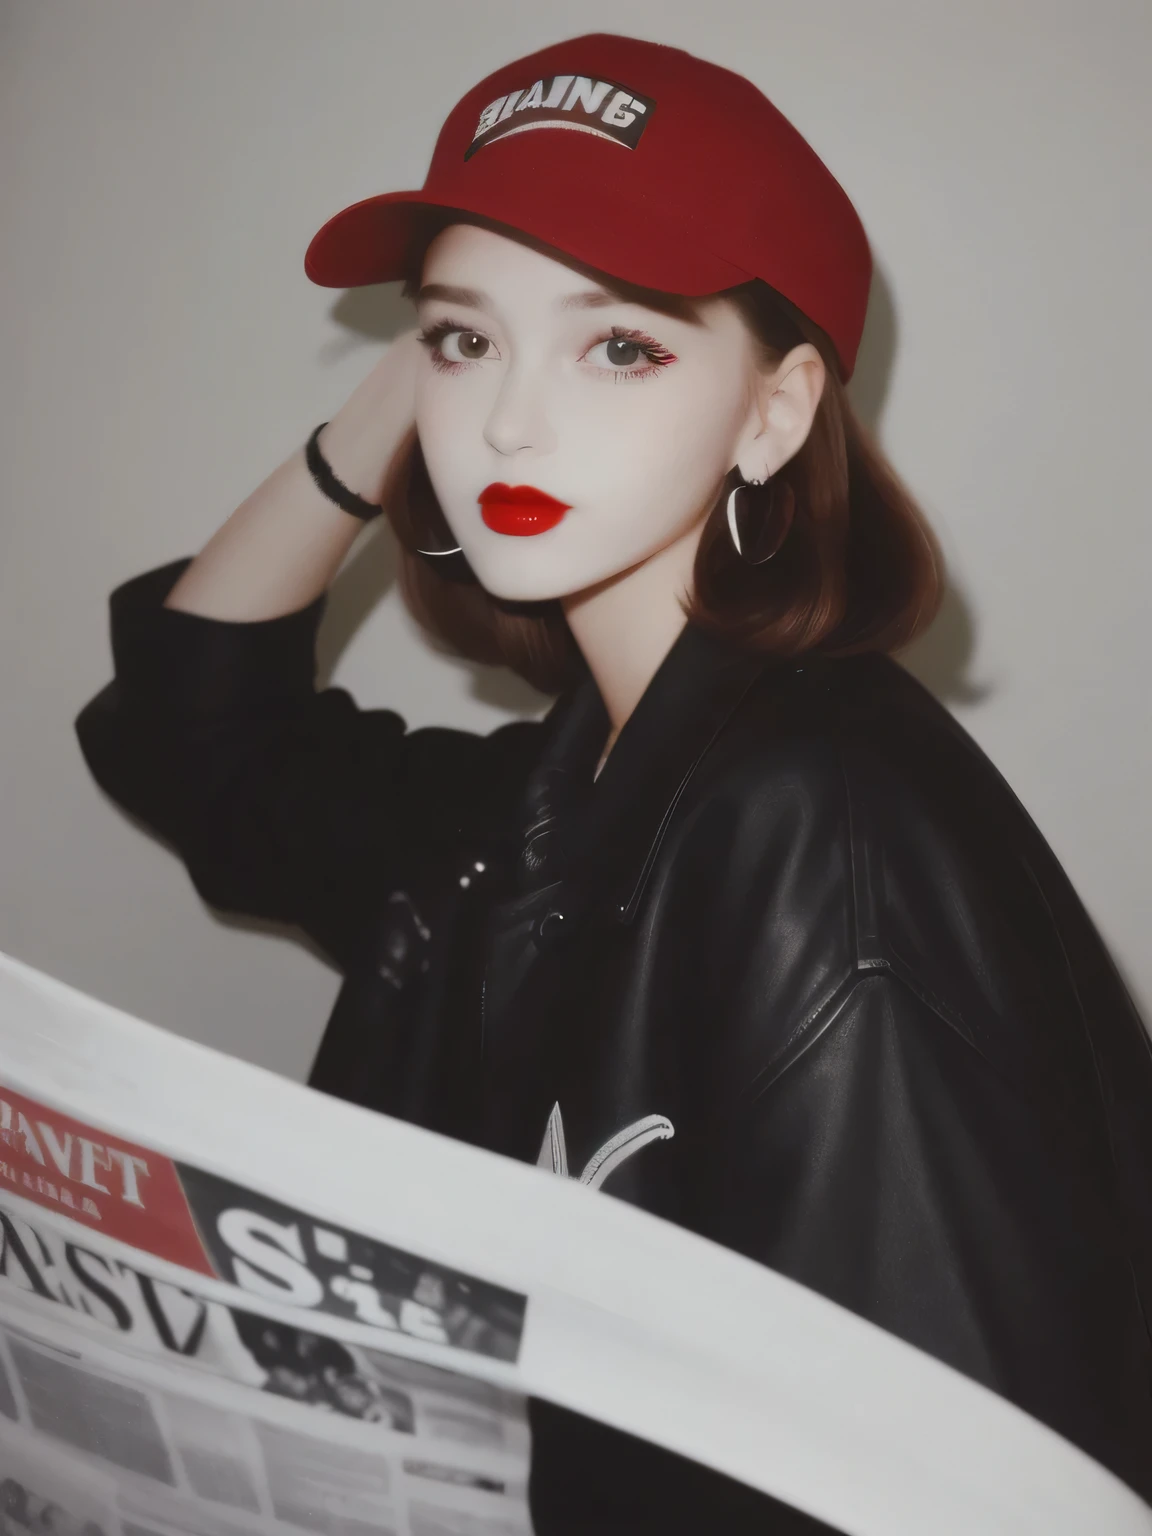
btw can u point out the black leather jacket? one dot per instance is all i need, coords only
(796, 971)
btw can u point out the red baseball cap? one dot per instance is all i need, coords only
(642, 161)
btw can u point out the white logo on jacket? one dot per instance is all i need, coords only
(616, 1150)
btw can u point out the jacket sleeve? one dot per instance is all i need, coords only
(285, 801)
(870, 1139)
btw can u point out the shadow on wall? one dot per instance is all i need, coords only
(940, 659)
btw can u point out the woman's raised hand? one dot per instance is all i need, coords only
(284, 544)
(369, 434)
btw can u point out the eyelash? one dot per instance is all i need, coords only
(658, 356)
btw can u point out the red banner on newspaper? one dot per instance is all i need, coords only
(124, 1191)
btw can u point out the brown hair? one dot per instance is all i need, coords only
(860, 569)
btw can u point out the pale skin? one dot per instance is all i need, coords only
(515, 376)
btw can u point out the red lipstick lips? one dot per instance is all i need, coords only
(519, 509)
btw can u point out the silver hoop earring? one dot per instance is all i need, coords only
(427, 517)
(759, 523)
(455, 550)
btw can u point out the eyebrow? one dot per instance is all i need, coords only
(587, 298)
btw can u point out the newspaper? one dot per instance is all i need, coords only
(230, 1305)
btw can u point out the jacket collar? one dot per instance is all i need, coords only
(600, 837)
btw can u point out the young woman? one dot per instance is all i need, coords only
(747, 931)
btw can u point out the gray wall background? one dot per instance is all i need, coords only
(163, 164)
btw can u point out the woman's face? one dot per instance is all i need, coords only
(537, 380)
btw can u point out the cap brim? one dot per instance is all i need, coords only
(368, 242)
(365, 243)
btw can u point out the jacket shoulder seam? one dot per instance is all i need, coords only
(826, 1013)
(874, 945)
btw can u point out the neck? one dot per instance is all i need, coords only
(626, 625)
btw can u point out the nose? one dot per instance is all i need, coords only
(519, 420)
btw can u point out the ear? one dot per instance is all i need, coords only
(782, 412)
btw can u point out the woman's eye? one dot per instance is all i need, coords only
(451, 346)
(464, 346)
(618, 352)
(623, 352)
(618, 355)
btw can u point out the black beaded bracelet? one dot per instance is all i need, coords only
(336, 490)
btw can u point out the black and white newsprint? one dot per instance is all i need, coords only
(231, 1306)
